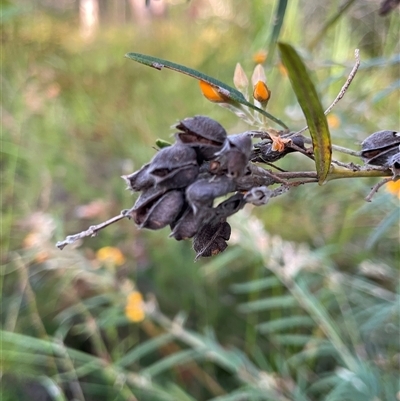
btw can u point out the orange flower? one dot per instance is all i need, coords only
(212, 93)
(282, 69)
(260, 56)
(393, 187)
(261, 92)
(110, 255)
(134, 310)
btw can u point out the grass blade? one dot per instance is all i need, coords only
(276, 30)
(309, 102)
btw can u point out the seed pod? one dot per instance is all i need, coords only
(144, 203)
(139, 180)
(204, 134)
(211, 239)
(171, 158)
(263, 152)
(258, 195)
(235, 154)
(379, 147)
(164, 211)
(394, 165)
(230, 206)
(189, 223)
(202, 192)
(178, 178)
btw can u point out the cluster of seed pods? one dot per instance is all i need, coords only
(180, 184)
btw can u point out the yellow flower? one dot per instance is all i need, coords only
(333, 120)
(134, 307)
(212, 93)
(259, 57)
(393, 187)
(110, 255)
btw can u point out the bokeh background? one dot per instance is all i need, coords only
(303, 305)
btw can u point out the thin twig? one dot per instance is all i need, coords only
(338, 148)
(91, 231)
(342, 91)
(376, 188)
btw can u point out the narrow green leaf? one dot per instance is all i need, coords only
(285, 323)
(255, 285)
(309, 102)
(329, 24)
(276, 30)
(144, 349)
(284, 301)
(223, 88)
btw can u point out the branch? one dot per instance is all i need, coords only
(376, 188)
(342, 91)
(91, 231)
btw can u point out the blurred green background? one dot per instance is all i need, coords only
(304, 303)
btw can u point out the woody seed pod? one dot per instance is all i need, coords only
(171, 158)
(163, 211)
(379, 147)
(139, 180)
(235, 154)
(211, 239)
(202, 192)
(203, 134)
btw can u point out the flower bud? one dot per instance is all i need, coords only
(213, 93)
(261, 93)
(240, 79)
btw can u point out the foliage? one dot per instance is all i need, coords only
(299, 314)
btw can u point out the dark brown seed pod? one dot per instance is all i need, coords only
(171, 158)
(190, 223)
(235, 154)
(179, 178)
(211, 239)
(144, 203)
(394, 165)
(258, 195)
(149, 196)
(202, 192)
(230, 206)
(139, 180)
(201, 130)
(379, 147)
(203, 134)
(164, 211)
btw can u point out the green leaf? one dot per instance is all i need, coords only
(276, 30)
(309, 102)
(223, 88)
(321, 34)
(161, 143)
(284, 301)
